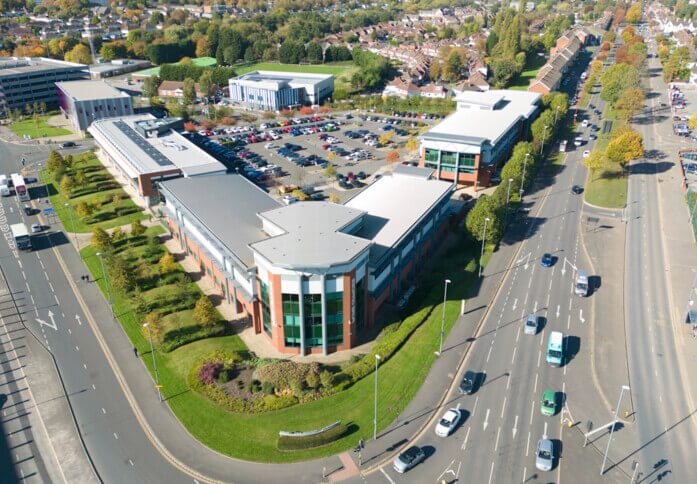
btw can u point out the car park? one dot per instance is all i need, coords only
(544, 455)
(532, 324)
(408, 459)
(448, 422)
(548, 404)
(468, 385)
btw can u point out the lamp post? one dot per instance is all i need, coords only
(522, 180)
(442, 321)
(481, 256)
(106, 282)
(556, 113)
(544, 135)
(154, 362)
(375, 416)
(612, 429)
(70, 212)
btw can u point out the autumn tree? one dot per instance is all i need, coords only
(692, 122)
(101, 239)
(392, 157)
(189, 91)
(121, 276)
(624, 148)
(330, 171)
(205, 83)
(167, 264)
(595, 161)
(67, 185)
(412, 144)
(205, 313)
(630, 102)
(633, 15)
(79, 54)
(154, 326)
(137, 228)
(84, 209)
(55, 161)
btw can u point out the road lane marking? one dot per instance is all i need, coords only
(131, 462)
(544, 433)
(517, 335)
(46, 275)
(496, 445)
(539, 356)
(515, 303)
(41, 263)
(490, 348)
(486, 419)
(51, 286)
(515, 348)
(527, 446)
(568, 322)
(84, 365)
(103, 410)
(24, 275)
(69, 331)
(503, 407)
(558, 308)
(532, 412)
(467, 436)
(525, 472)
(535, 307)
(580, 315)
(116, 436)
(77, 348)
(491, 472)
(474, 409)
(56, 298)
(93, 387)
(534, 388)
(515, 426)
(387, 476)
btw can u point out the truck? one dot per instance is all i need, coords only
(21, 236)
(581, 284)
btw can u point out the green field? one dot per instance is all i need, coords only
(37, 129)
(335, 69)
(155, 71)
(532, 66)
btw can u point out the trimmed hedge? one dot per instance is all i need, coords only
(289, 443)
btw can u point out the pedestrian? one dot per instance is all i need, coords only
(135, 351)
(82, 278)
(87, 278)
(694, 330)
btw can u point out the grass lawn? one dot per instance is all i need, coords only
(254, 436)
(532, 66)
(37, 129)
(198, 61)
(334, 68)
(608, 187)
(100, 186)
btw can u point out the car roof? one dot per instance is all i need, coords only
(548, 394)
(545, 444)
(451, 414)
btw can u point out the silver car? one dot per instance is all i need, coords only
(408, 459)
(531, 324)
(544, 456)
(448, 422)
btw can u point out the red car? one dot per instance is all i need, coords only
(325, 147)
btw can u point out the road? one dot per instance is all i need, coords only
(117, 445)
(497, 441)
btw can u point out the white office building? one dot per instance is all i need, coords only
(273, 91)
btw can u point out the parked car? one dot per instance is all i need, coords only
(468, 385)
(586, 153)
(448, 422)
(36, 228)
(408, 459)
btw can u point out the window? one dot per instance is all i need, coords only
(466, 163)
(265, 307)
(448, 158)
(431, 155)
(335, 317)
(291, 319)
(312, 307)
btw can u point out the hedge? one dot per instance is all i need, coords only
(289, 443)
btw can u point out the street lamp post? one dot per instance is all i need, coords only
(481, 256)
(375, 416)
(106, 282)
(612, 429)
(556, 113)
(70, 212)
(544, 135)
(522, 180)
(154, 362)
(442, 321)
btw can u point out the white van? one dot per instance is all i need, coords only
(581, 284)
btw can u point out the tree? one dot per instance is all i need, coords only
(330, 171)
(84, 209)
(595, 161)
(150, 85)
(80, 178)
(205, 313)
(453, 66)
(120, 274)
(205, 83)
(154, 326)
(291, 52)
(617, 78)
(101, 239)
(117, 234)
(630, 102)
(137, 228)
(327, 379)
(392, 157)
(113, 50)
(625, 147)
(386, 137)
(79, 54)
(314, 53)
(486, 207)
(633, 15)
(692, 122)
(504, 71)
(67, 185)
(55, 161)
(412, 144)
(203, 48)
(167, 264)
(189, 91)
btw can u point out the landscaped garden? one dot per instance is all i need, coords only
(37, 128)
(94, 198)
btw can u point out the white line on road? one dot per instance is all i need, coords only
(539, 356)
(535, 307)
(568, 322)
(525, 303)
(525, 472)
(558, 308)
(42, 264)
(387, 476)
(570, 301)
(474, 409)
(69, 331)
(515, 348)
(486, 419)
(46, 275)
(498, 434)
(515, 426)
(32, 300)
(131, 462)
(116, 436)
(467, 436)
(56, 298)
(489, 354)
(580, 315)
(24, 275)
(534, 389)
(84, 365)
(491, 472)
(51, 286)
(103, 410)
(532, 412)
(527, 446)
(517, 335)
(544, 433)
(77, 348)
(93, 387)
(503, 407)
(515, 303)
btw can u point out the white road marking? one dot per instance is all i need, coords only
(498, 434)
(131, 462)
(51, 286)
(77, 348)
(515, 426)
(489, 354)
(41, 263)
(568, 322)
(525, 472)
(467, 436)
(69, 331)
(474, 409)
(544, 433)
(93, 387)
(535, 307)
(503, 407)
(116, 436)
(103, 410)
(539, 356)
(387, 476)
(515, 348)
(527, 446)
(486, 419)
(56, 298)
(580, 315)
(24, 275)
(491, 473)
(532, 412)
(515, 303)
(534, 388)
(84, 365)
(517, 335)
(46, 275)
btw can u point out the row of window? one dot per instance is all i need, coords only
(312, 314)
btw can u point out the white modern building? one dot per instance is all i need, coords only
(84, 102)
(274, 90)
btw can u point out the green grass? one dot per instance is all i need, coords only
(334, 69)
(254, 436)
(37, 129)
(99, 186)
(532, 67)
(198, 61)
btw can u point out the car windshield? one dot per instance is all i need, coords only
(445, 422)
(531, 322)
(544, 454)
(548, 403)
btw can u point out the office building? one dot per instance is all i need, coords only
(273, 91)
(84, 102)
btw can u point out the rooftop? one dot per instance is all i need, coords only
(394, 204)
(484, 116)
(311, 235)
(90, 90)
(11, 66)
(277, 80)
(153, 155)
(227, 205)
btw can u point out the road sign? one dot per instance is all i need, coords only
(49, 211)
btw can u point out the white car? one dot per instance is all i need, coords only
(584, 123)
(586, 154)
(269, 146)
(448, 422)
(578, 141)
(36, 228)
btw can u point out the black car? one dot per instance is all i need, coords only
(576, 189)
(468, 385)
(68, 144)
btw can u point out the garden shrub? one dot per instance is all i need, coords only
(209, 372)
(282, 373)
(289, 443)
(225, 375)
(267, 388)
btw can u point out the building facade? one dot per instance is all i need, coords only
(468, 146)
(84, 102)
(311, 275)
(24, 81)
(273, 91)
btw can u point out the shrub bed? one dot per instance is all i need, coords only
(290, 443)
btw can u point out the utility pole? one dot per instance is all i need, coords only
(154, 362)
(442, 321)
(481, 256)
(522, 180)
(375, 415)
(544, 135)
(612, 428)
(106, 283)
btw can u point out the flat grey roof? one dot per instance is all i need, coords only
(12, 66)
(276, 79)
(90, 90)
(109, 66)
(227, 205)
(312, 235)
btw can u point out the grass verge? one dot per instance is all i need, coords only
(37, 128)
(532, 66)
(334, 69)
(254, 436)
